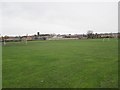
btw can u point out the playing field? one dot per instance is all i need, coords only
(61, 64)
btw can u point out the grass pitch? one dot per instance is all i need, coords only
(61, 64)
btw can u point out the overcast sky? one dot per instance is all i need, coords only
(58, 17)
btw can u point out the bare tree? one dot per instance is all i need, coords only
(90, 34)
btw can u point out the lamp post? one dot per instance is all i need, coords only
(4, 42)
(26, 38)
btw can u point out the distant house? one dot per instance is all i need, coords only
(8, 39)
(55, 37)
(115, 35)
(77, 36)
(29, 38)
(83, 36)
(108, 35)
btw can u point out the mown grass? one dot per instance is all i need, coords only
(61, 64)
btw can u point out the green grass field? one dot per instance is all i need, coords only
(61, 64)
